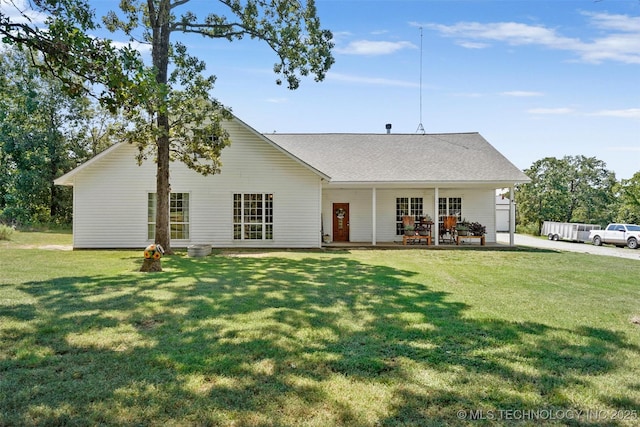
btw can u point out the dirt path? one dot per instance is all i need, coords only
(46, 247)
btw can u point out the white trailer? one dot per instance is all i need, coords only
(567, 231)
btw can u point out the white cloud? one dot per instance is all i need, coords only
(614, 22)
(622, 148)
(339, 35)
(370, 47)
(277, 100)
(551, 111)
(512, 33)
(473, 45)
(375, 81)
(630, 113)
(521, 93)
(618, 40)
(20, 11)
(143, 48)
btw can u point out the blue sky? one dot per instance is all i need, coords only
(536, 78)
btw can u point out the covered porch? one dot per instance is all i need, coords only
(354, 215)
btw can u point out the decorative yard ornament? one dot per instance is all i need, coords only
(153, 251)
(152, 255)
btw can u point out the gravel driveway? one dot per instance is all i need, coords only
(560, 245)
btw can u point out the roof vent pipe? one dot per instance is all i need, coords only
(388, 127)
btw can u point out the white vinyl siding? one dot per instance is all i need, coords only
(111, 197)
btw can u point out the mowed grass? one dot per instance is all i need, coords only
(313, 338)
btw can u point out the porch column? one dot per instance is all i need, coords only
(512, 216)
(436, 222)
(373, 216)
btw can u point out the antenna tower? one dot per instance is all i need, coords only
(420, 127)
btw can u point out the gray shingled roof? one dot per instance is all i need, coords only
(397, 158)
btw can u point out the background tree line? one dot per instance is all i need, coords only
(575, 189)
(167, 106)
(50, 123)
(44, 133)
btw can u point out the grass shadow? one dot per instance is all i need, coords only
(257, 339)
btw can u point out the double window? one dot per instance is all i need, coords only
(178, 216)
(449, 206)
(253, 216)
(412, 206)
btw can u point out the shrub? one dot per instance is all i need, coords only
(530, 228)
(5, 232)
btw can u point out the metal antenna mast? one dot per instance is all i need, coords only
(420, 127)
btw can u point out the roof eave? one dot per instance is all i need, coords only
(430, 184)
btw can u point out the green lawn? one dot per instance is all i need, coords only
(311, 338)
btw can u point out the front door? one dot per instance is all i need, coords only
(341, 222)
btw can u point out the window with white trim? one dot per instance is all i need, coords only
(253, 216)
(449, 206)
(412, 206)
(178, 216)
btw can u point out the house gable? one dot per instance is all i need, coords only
(111, 196)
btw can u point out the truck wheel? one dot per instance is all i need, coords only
(597, 241)
(632, 243)
(556, 237)
(550, 236)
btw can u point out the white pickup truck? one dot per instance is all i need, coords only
(617, 234)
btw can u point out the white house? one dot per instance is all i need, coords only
(287, 190)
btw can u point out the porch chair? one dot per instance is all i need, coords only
(448, 227)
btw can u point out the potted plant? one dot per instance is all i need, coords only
(477, 229)
(462, 228)
(422, 230)
(409, 230)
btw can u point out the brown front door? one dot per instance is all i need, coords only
(341, 222)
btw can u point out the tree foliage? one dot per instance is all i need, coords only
(62, 46)
(44, 133)
(168, 109)
(571, 189)
(629, 200)
(180, 120)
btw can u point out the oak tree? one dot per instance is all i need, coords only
(169, 111)
(629, 200)
(289, 27)
(571, 189)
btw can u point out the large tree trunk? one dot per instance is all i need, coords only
(160, 54)
(151, 265)
(163, 190)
